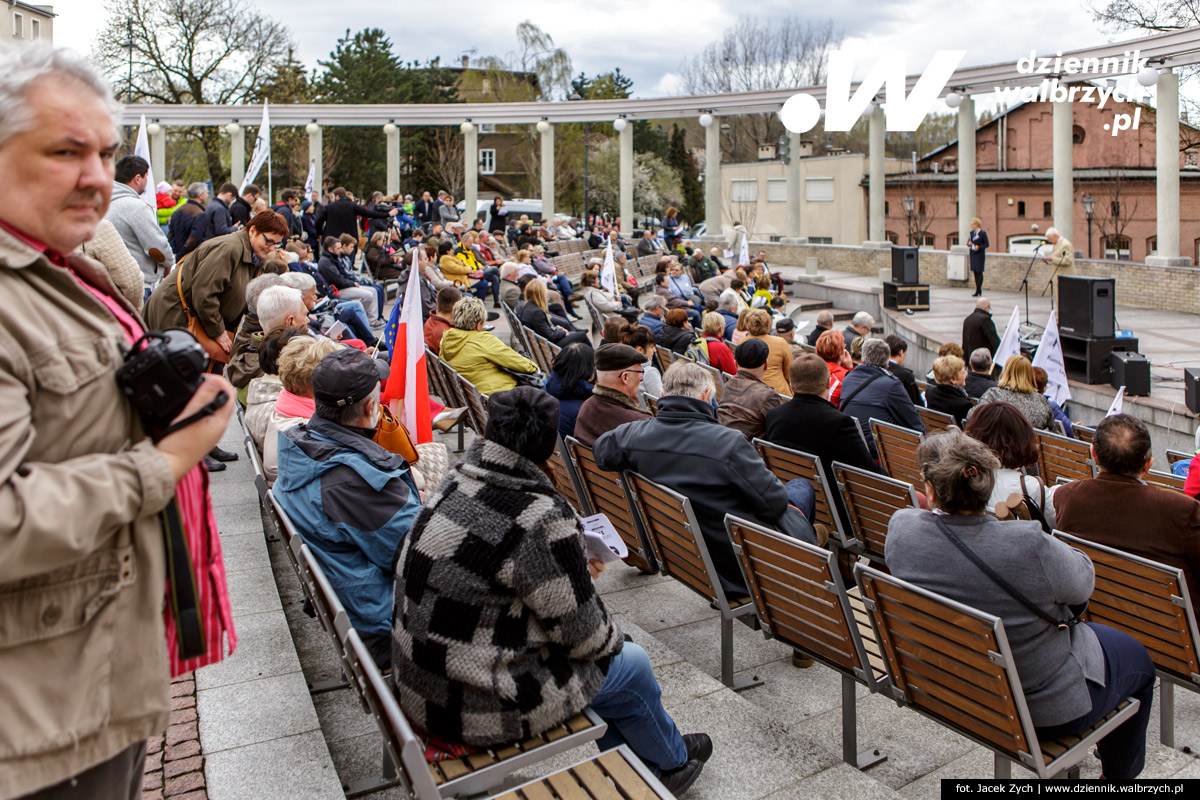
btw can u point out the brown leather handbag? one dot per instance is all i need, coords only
(391, 435)
(215, 351)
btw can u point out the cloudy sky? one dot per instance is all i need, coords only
(648, 39)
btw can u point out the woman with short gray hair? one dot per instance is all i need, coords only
(476, 354)
(1073, 674)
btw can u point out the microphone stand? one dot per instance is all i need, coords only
(1050, 283)
(1025, 284)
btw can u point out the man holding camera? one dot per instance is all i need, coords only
(85, 654)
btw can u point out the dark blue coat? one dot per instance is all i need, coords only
(980, 240)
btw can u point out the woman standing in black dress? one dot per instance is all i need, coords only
(977, 241)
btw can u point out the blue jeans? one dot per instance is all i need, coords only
(351, 314)
(694, 317)
(563, 285)
(630, 702)
(1128, 672)
(490, 280)
(379, 291)
(802, 495)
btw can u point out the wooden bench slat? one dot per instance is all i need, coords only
(595, 782)
(629, 782)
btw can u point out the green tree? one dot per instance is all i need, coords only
(679, 158)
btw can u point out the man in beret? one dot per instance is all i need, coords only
(614, 400)
(351, 501)
(746, 399)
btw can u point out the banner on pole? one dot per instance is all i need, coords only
(608, 273)
(1118, 403)
(312, 176)
(141, 149)
(262, 150)
(1010, 342)
(1050, 358)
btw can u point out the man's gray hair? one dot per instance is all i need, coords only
(983, 303)
(863, 320)
(728, 300)
(825, 319)
(1052, 232)
(197, 190)
(875, 352)
(687, 379)
(256, 287)
(981, 360)
(300, 281)
(276, 303)
(25, 65)
(509, 271)
(652, 302)
(346, 415)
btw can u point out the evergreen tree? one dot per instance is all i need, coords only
(679, 158)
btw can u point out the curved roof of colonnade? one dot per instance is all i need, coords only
(1171, 49)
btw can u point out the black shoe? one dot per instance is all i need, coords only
(496, 304)
(222, 455)
(492, 315)
(212, 464)
(699, 745)
(678, 781)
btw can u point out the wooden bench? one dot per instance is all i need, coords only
(787, 464)
(567, 477)
(516, 331)
(897, 449)
(936, 421)
(441, 383)
(470, 776)
(870, 501)
(801, 601)
(260, 477)
(665, 357)
(1165, 480)
(1149, 601)
(473, 399)
(682, 552)
(1060, 457)
(1083, 433)
(953, 664)
(604, 493)
(648, 402)
(1175, 456)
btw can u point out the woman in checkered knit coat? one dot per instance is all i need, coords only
(500, 634)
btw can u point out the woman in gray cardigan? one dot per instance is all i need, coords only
(1072, 678)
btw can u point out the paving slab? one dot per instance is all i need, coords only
(793, 695)
(292, 767)
(252, 591)
(659, 605)
(250, 712)
(842, 781)
(243, 551)
(700, 643)
(264, 650)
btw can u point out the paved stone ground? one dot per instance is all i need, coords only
(174, 762)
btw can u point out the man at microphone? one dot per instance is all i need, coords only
(1063, 254)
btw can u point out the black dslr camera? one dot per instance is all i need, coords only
(161, 372)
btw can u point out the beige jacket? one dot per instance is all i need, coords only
(83, 657)
(1063, 254)
(108, 248)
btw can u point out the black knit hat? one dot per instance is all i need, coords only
(525, 420)
(751, 353)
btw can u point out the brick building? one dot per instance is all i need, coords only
(1014, 188)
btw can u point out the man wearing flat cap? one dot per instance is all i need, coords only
(614, 400)
(746, 399)
(351, 500)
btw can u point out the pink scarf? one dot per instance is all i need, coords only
(293, 405)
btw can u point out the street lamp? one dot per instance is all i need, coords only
(579, 94)
(1089, 205)
(908, 210)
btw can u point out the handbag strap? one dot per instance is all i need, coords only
(1003, 584)
(866, 383)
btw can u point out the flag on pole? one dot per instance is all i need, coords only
(608, 273)
(744, 253)
(1050, 358)
(1010, 342)
(1118, 403)
(142, 150)
(312, 176)
(262, 150)
(408, 383)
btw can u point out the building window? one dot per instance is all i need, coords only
(1116, 247)
(1020, 208)
(894, 238)
(487, 127)
(777, 190)
(487, 162)
(18, 26)
(956, 210)
(886, 208)
(818, 190)
(924, 239)
(35, 29)
(1077, 134)
(951, 240)
(1046, 209)
(1114, 208)
(820, 240)
(1152, 246)
(744, 191)
(921, 208)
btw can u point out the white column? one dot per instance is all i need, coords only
(625, 138)
(547, 133)
(315, 155)
(158, 151)
(1166, 127)
(1064, 195)
(792, 171)
(875, 179)
(237, 154)
(470, 171)
(393, 157)
(966, 168)
(712, 178)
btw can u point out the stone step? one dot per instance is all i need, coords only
(805, 304)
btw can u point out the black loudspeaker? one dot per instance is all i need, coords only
(1191, 389)
(1090, 360)
(904, 265)
(906, 297)
(1087, 306)
(1132, 371)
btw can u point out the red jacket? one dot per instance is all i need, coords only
(837, 374)
(720, 356)
(1191, 486)
(435, 326)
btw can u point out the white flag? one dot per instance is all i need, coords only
(141, 149)
(744, 255)
(1010, 343)
(1049, 357)
(1118, 403)
(312, 176)
(262, 151)
(608, 273)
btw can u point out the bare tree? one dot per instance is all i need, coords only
(535, 54)
(190, 51)
(757, 54)
(1115, 209)
(448, 165)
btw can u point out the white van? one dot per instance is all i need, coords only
(516, 207)
(1025, 244)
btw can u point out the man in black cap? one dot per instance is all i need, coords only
(785, 329)
(746, 399)
(351, 501)
(614, 400)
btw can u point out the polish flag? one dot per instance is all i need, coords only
(407, 389)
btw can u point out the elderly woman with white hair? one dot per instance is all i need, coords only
(1073, 673)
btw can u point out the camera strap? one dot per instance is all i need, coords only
(206, 410)
(185, 602)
